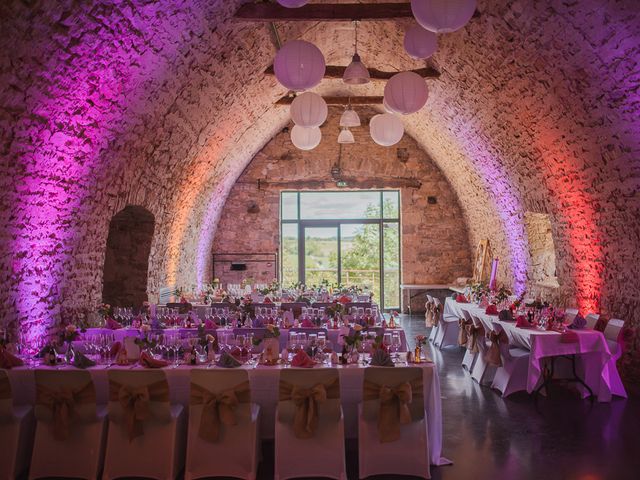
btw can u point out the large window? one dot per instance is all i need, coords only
(346, 237)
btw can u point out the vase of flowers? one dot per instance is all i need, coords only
(421, 341)
(69, 335)
(271, 340)
(351, 343)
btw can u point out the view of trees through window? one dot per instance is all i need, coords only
(346, 248)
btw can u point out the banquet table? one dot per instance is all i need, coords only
(333, 335)
(591, 349)
(264, 382)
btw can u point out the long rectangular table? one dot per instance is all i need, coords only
(264, 381)
(591, 349)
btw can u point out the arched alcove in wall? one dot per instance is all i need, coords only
(126, 261)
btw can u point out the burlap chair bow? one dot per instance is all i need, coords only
(394, 406)
(463, 337)
(135, 403)
(62, 404)
(306, 401)
(492, 356)
(218, 408)
(428, 315)
(437, 314)
(473, 334)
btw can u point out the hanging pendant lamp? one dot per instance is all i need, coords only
(356, 73)
(346, 136)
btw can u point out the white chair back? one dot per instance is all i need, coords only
(592, 319)
(135, 379)
(466, 314)
(59, 381)
(570, 314)
(613, 328)
(393, 377)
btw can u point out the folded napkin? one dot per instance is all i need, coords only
(505, 316)
(381, 358)
(569, 337)
(236, 352)
(306, 323)
(227, 360)
(112, 324)
(148, 361)
(80, 360)
(115, 348)
(301, 359)
(522, 322)
(461, 298)
(210, 324)
(491, 310)
(267, 300)
(578, 322)
(9, 360)
(258, 323)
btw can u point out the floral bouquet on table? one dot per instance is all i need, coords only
(68, 335)
(336, 309)
(271, 352)
(502, 294)
(105, 310)
(144, 341)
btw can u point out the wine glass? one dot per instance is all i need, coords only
(396, 344)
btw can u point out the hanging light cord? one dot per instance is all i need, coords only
(356, 24)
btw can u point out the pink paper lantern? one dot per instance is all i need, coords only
(406, 93)
(309, 110)
(420, 43)
(305, 138)
(293, 3)
(386, 129)
(299, 65)
(443, 16)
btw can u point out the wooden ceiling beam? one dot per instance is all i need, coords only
(373, 100)
(330, 12)
(337, 72)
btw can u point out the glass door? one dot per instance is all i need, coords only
(360, 256)
(320, 259)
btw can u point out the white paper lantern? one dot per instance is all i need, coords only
(386, 129)
(420, 43)
(443, 16)
(349, 118)
(346, 136)
(309, 110)
(299, 65)
(305, 138)
(293, 3)
(386, 106)
(406, 93)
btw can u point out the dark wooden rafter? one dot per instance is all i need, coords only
(352, 182)
(342, 12)
(370, 100)
(337, 72)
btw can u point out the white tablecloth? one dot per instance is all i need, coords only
(264, 391)
(591, 349)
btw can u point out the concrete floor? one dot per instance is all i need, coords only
(488, 437)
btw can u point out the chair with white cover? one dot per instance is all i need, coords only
(592, 319)
(448, 327)
(471, 351)
(481, 372)
(70, 426)
(223, 435)
(511, 377)
(570, 314)
(146, 432)
(612, 334)
(309, 429)
(16, 432)
(392, 429)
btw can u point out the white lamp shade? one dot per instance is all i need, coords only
(299, 65)
(386, 129)
(349, 118)
(420, 43)
(443, 16)
(356, 73)
(305, 138)
(309, 110)
(346, 136)
(406, 93)
(293, 3)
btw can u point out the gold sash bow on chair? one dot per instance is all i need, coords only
(437, 310)
(428, 316)
(135, 403)
(218, 408)
(62, 403)
(492, 356)
(394, 406)
(473, 333)
(463, 337)
(306, 401)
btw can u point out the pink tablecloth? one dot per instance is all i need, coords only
(596, 363)
(264, 391)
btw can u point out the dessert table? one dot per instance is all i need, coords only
(591, 349)
(264, 381)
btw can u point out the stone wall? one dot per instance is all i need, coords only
(435, 247)
(126, 262)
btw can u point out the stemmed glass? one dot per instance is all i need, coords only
(396, 344)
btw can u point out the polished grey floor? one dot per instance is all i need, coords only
(492, 438)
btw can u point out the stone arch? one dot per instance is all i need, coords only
(126, 260)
